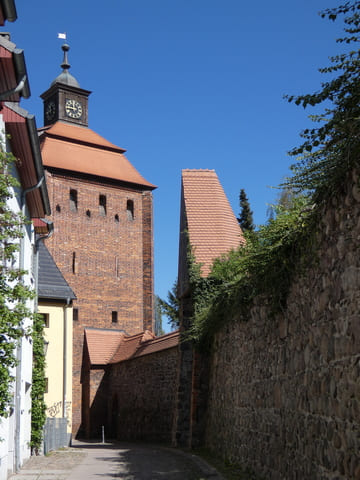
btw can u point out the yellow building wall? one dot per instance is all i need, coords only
(54, 370)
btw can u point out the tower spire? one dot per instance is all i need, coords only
(65, 64)
(65, 100)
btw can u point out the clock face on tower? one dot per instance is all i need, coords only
(73, 108)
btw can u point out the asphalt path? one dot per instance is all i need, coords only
(96, 461)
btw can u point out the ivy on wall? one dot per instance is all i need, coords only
(38, 406)
(13, 293)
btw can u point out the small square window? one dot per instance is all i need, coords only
(45, 319)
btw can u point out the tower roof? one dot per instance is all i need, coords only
(65, 77)
(208, 218)
(78, 149)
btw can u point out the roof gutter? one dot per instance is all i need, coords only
(36, 153)
(9, 10)
(35, 147)
(19, 65)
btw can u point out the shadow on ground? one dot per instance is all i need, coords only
(145, 462)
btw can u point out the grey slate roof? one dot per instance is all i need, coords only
(51, 283)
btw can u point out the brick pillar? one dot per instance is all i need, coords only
(148, 261)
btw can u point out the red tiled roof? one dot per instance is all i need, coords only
(211, 224)
(108, 346)
(143, 344)
(82, 150)
(102, 344)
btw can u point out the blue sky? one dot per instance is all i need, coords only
(186, 84)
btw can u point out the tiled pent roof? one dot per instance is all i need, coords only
(209, 219)
(111, 346)
(81, 150)
(51, 283)
(102, 344)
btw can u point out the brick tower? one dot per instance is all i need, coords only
(102, 213)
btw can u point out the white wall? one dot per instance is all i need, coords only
(15, 430)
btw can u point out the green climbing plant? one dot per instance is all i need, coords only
(14, 294)
(38, 406)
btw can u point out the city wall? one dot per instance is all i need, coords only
(284, 393)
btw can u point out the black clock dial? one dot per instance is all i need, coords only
(73, 108)
(50, 111)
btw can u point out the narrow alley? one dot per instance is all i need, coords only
(90, 461)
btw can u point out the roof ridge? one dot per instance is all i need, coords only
(108, 146)
(198, 170)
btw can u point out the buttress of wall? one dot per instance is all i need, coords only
(285, 391)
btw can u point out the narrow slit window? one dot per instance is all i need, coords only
(73, 200)
(130, 209)
(74, 265)
(88, 213)
(116, 218)
(75, 314)
(58, 208)
(116, 267)
(114, 317)
(102, 205)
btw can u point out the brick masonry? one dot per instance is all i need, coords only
(138, 397)
(106, 258)
(285, 391)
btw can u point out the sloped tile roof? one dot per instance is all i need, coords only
(211, 224)
(144, 344)
(79, 149)
(51, 283)
(102, 344)
(110, 346)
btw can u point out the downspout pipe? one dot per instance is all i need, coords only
(19, 88)
(66, 306)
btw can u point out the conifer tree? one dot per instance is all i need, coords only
(246, 215)
(170, 308)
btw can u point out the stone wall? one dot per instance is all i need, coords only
(285, 392)
(141, 397)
